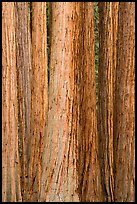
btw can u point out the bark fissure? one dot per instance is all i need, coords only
(108, 18)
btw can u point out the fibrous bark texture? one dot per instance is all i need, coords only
(108, 20)
(11, 191)
(60, 150)
(53, 147)
(39, 98)
(70, 166)
(124, 106)
(89, 186)
(23, 56)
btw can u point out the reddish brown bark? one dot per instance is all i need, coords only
(67, 145)
(59, 155)
(39, 98)
(88, 164)
(108, 19)
(11, 191)
(124, 106)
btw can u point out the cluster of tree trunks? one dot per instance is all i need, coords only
(57, 143)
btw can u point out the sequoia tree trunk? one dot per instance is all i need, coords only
(124, 106)
(11, 190)
(108, 20)
(70, 166)
(60, 151)
(89, 183)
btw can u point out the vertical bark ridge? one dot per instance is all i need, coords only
(124, 106)
(11, 191)
(23, 53)
(88, 169)
(108, 15)
(39, 97)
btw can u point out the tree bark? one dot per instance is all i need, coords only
(124, 106)
(89, 183)
(39, 98)
(58, 180)
(11, 190)
(23, 53)
(67, 145)
(108, 20)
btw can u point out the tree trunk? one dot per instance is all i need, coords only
(88, 164)
(124, 106)
(59, 181)
(108, 19)
(23, 45)
(39, 98)
(11, 191)
(67, 145)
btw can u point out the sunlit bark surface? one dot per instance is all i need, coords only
(39, 97)
(70, 166)
(11, 191)
(60, 150)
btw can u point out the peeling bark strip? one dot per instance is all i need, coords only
(11, 191)
(108, 20)
(88, 164)
(39, 97)
(23, 53)
(124, 106)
